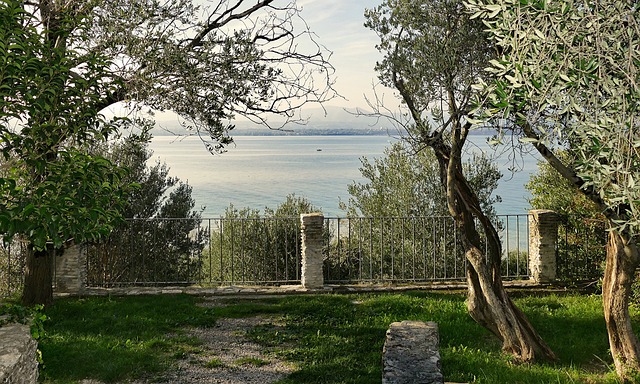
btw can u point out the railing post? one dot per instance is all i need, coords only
(543, 238)
(71, 270)
(312, 229)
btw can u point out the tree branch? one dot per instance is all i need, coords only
(225, 18)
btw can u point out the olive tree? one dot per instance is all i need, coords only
(433, 53)
(399, 213)
(65, 61)
(568, 77)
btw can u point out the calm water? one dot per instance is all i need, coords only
(260, 171)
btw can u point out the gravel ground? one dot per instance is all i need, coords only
(237, 359)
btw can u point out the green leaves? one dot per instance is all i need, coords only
(570, 71)
(49, 103)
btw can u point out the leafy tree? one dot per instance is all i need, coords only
(582, 235)
(52, 191)
(568, 75)
(403, 183)
(63, 62)
(433, 53)
(161, 238)
(250, 246)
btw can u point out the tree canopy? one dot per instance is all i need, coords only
(568, 76)
(62, 63)
(211, 62)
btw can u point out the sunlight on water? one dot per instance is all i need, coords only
(261, 171)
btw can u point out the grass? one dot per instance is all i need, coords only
(329, 338)
(215, 363)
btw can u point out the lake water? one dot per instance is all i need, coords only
(260, 171)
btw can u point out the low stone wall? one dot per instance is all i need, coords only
(18, 363)
(411, 354)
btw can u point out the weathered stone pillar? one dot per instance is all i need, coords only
(312, 243)
(411, 354)
(543, 238)
(71, 270)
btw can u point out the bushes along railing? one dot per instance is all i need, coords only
(227, 251)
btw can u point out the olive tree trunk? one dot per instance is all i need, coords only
(622, 261)
(488, 302)
(490, 306)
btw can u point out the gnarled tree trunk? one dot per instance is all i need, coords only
(622, 261)
(488, 302)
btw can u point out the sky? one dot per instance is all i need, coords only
(339, 25)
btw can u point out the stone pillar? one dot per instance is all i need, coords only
(543, 238)
(71, 270)
(411, 354)
(312, 243)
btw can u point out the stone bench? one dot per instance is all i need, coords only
(411, 354)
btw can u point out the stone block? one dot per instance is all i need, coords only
(411, 354)
(543, 238)
(18, 359)
(311, 228)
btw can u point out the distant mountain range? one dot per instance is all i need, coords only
(329, 121)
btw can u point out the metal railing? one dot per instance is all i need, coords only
(203, 251)
(413, 249)
(581, 249)
(227, 251)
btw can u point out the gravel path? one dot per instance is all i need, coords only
(236, 359)
(226, 356)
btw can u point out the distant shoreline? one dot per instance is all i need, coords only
(305, 132)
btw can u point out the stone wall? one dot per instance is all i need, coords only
(18, 363)
(411, 354)
(71, 270)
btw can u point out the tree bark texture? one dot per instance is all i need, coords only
(488, 302)
(38, 279)
(622, 261)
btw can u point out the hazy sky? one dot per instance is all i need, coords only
(339, 25)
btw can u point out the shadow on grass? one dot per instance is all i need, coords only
(329, 338)
(114, 339)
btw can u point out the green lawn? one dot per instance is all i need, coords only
(330, 338)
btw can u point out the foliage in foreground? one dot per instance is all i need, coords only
(330, 338)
